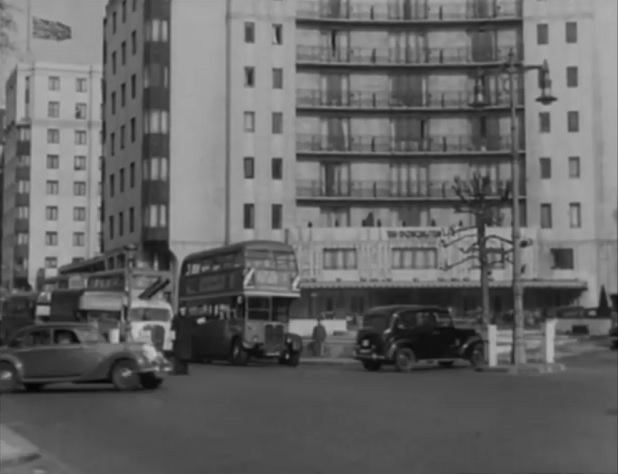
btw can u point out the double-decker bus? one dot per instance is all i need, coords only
(134, 302)
(239, 298)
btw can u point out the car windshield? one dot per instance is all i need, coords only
(379, 322)
(150, 314)
(87, 335)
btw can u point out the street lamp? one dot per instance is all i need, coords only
(512, 68)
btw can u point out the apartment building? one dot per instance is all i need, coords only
(199, 125)
(51, 169)
(2, 139)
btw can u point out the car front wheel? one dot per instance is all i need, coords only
(9, 378)
(125, 376)
(34, 387)
(372, 365)
(405, 360)
(239, 355)
(477, 356)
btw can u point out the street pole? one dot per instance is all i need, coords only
(519, 348)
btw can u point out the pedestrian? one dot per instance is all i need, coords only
(183, 350)
(318, 337)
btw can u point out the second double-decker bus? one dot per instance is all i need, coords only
(239, 299)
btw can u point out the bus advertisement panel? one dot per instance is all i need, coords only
(239, 297)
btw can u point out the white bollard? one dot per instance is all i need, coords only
(491, 345)
(113, 336)
(549, 341)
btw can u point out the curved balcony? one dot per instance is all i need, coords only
(309, 56)
(386, 145)
(354, 190)
(454, 13)
(363, 102)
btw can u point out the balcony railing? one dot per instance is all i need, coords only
(393, 57)
(389, 144)
(457, 10)
(365, 100)
(421, 190)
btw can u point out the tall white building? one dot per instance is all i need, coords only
(52, 169)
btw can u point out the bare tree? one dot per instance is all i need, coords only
(7, 26)
(483, 199)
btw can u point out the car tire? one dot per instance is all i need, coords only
(238, 354)
(447, 364)
(405, 360)
(477, 356)
(293, 360)
(124, 376)
(372, 365)
(150, 381)
(9, 378)
(34, 387)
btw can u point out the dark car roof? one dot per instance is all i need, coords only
(403, 307)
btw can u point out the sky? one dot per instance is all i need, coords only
(85, 17)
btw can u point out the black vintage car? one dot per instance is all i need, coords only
(404, 334)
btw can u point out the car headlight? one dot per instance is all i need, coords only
(149, 353)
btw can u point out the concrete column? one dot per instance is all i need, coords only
(491, 345)
(549, 341)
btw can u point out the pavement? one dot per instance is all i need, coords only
(324, 420)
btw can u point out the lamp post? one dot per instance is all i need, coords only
(513, 68)
(130, 252)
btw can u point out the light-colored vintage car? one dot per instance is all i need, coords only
(39, 355)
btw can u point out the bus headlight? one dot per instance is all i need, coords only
(288, 341)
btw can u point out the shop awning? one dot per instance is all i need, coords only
(437, 284)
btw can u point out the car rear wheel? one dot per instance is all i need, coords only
(477, 356)
(125, 376)
(34, 387)
(405, 360)
(372, 365)
(293, 360)
(9, 378)
(239, 355)
(150, 381)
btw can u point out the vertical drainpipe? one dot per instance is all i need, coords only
(228, 121)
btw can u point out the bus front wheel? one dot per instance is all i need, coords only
(238, 355)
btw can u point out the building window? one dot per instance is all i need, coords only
(79, 163)
(546, 217)
(110, 227)
(123, 53)
(544, 122)
(122, 137)
(23, 161)
(156, 216)
(51, 213)
(114, 22)
(79, 214)
(120, 224)
(53, 109)
(53, 162)
(114, 62)
(277, 34)
(51, 262)
(249, 122)
(563, 259)
(575, 215)
(81, 85)
(112, 185)
(545, 164)
(249, 216)
(80, 137)
(113, 103)
(276, 168)
(339, 259)
(249, 32)
(132, 175)
(249, 167)
(277, 78)
(52, 188)
(80, 111)
(134, 5)
(277, 125)
(157, 31)
(574, 167)
(277, 216)
(79, 188)
(134, 42)
(572, 73)
(121, 180)
(23, 186)
(573, 121)
(131, 219)
(249, 76)
(51, 239)
(24, 134)
(156, 169)
(132, 129)
(23, 212)
(112, 143)
(22, 238)
(414, 258)
(54, 83)
(571, 32)
(79, 239)
(53, 135)
(123, 95)
(133, 85)
(542, 33)
(156, 121)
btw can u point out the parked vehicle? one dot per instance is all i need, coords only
(40, 355)
(613, 337)
(402, 335)
(239, 299)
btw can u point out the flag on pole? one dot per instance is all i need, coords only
(50, 30)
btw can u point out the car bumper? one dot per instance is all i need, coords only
(368, 355)
(159, 368)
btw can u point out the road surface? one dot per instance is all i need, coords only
(314, 420)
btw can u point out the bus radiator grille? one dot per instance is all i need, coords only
(274, 337)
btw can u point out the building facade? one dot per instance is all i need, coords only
(52, 169)
(197, 153)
